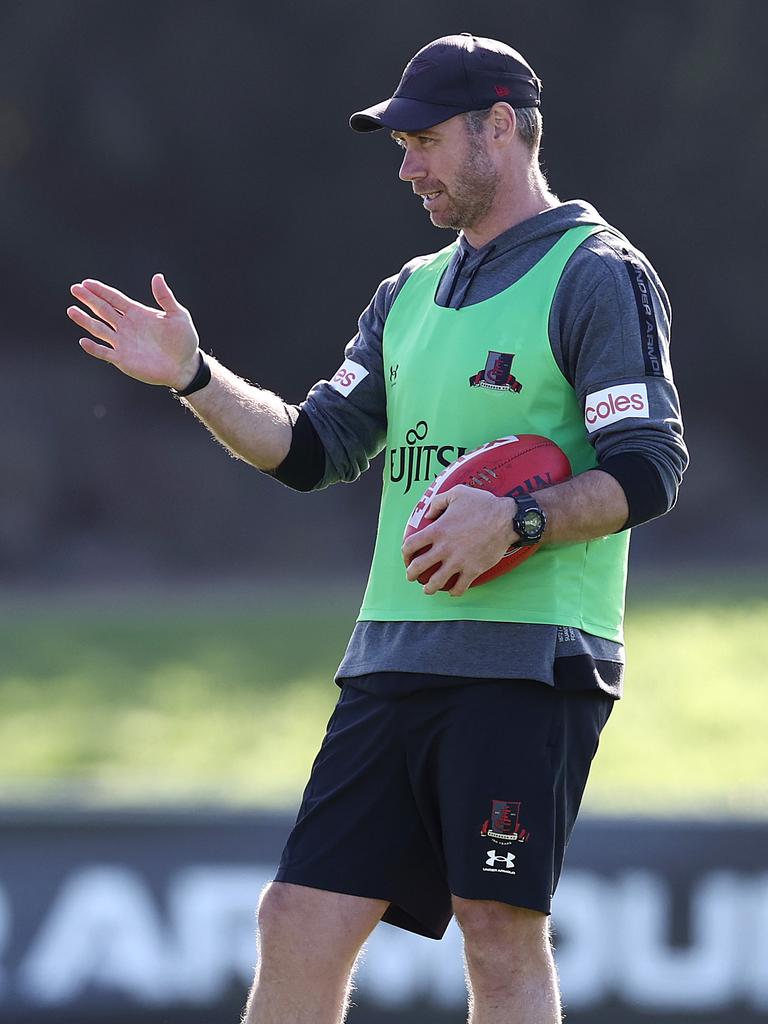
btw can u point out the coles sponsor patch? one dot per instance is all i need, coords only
(620, 402)
(348, 376)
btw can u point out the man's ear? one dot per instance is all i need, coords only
(504, 122)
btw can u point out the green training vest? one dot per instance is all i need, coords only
(456, 378)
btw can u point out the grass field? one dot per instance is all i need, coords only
(226, 698)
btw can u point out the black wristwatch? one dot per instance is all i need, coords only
(529, 521)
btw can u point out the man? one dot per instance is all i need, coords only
(454, 764)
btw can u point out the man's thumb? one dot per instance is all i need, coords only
(163, 294)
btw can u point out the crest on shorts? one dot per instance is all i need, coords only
(504, 823)
(496, 374)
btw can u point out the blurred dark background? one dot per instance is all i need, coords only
(210, 141)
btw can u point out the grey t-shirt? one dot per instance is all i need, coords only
(598, 330)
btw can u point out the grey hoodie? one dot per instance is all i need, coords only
(608, 325)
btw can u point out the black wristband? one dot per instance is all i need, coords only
(198, 382)
(642, 484)
(304, 466)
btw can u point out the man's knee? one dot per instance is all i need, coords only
(494, 930)
(299, 916)
(280, 910)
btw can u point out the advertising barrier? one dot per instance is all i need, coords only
(150, 917)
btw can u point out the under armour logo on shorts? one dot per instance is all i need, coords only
(494, 858)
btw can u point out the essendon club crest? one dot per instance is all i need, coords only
(504, 823)
(496, 374)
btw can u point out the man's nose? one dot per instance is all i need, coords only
(412, 167)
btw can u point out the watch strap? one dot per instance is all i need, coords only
(525, 503)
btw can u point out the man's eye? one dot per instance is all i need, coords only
(421, 139)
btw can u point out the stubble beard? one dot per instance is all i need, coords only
(473, 193)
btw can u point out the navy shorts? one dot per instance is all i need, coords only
(470, 789)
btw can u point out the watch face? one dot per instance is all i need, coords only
(532, 523)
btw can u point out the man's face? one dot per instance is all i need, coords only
(452, 170)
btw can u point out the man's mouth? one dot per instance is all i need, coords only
(429, 197)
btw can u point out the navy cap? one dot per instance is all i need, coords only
(450, 76)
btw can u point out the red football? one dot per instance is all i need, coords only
(507, 467)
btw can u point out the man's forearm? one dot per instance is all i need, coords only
(252, 423)
(590, 505)
(471, 528)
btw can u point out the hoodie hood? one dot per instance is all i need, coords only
(553, 221)
(525, 242)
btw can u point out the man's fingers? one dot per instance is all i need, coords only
(93, 348)
(164, 297)
(121, 302)
(438, 505)
(96, 327)
(461, 585)
(99, 306)
(446, 573)
(418, 542)
(422, 563)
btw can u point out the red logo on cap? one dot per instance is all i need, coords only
(501, 90)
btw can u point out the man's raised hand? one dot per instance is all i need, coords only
(157, 346)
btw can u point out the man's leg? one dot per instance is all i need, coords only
(308, 943)
(510, 967)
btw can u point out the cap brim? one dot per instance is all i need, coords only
(400, 114)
